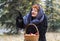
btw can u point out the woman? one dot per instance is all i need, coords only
(37, 17)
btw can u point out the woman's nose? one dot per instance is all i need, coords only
(32, 11)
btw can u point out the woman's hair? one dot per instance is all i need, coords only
(36, 6)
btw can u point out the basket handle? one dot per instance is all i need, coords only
(33, 25)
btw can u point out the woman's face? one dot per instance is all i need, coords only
(34, 12)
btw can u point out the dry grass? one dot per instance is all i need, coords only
(49, 36)
(53, 36)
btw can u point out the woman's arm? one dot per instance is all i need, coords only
(25, 19)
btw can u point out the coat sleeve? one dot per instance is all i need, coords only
(25, 19)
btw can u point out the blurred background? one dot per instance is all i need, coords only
(8, 15)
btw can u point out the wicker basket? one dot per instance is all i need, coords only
(29, 37)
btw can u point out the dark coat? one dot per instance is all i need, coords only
(40, 21)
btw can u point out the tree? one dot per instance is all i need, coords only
(52, 13)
